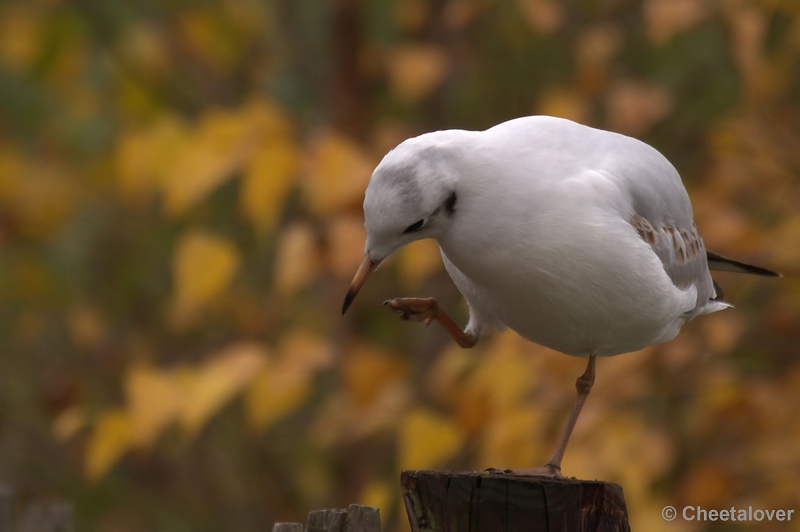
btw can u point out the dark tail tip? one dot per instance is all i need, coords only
(720, 263)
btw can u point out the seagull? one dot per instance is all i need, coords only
(579, 239)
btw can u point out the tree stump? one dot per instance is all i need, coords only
(448, 501)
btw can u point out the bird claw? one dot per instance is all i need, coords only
(497, 471)
(547, 471)
(421, 310)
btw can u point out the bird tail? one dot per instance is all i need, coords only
(720, 263)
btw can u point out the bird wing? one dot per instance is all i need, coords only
(661, 213)
(686, 260)
(681, 251)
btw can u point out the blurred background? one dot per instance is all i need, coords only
(180, 217)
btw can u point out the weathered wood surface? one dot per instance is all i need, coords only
(362, 518)
(40, 516)
(51, 516)
(287, 527)
(357, 518)
(447, 501)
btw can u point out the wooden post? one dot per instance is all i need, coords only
(287, 527)
(357, 518)
(53, 516)
(326, 521)
(362, 518)
(447, 501)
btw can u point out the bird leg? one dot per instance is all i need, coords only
(426, 310)
(552, 468)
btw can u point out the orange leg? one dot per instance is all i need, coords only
(552, 468)
(426, 310)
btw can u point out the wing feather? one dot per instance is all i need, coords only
(682, 253)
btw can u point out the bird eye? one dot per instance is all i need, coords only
(416, 226)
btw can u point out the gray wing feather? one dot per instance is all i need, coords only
(662, 215)
(682, 253)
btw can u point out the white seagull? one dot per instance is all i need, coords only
(578, 239)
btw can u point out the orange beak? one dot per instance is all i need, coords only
(364, 270)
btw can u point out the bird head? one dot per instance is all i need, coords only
(411, 195)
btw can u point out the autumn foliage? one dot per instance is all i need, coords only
(180, 190)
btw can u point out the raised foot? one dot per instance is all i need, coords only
(414, 308)
(546, 471)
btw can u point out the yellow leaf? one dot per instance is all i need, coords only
(543, 16)
(86, 326)
(302, 351)
(142, 157)
(188, 163)
(134, 99)
(426, 440)
(154, 399)
(512, 440)
(597, 47)
(386, 135)
(283, 385)
(211, 386)
(347, 236)
(418, 261)
(634, 107)
(723, 330)
(448, 371)
(367, 370)
(626, 449)
(133, 159)
(380, 494)
(11, 170)
(223, 142)
(68, 423)
(459, 15)
(145, 46)
(665, 18)
(710, 483)
(20, 36)
(267, 180)
(202, 32)
(723, 389)
(267, 119)
(448, 382)
(410, 15)
(274, 393)
(749, 27)
(202, 267)
(507, 363)
(42, 194)
(109, 440)
(726, 225)
(784, 236)
(564, 103)
(298, 260)
(29, 326)
(416, 69)
(337, 175)
(343, 421)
